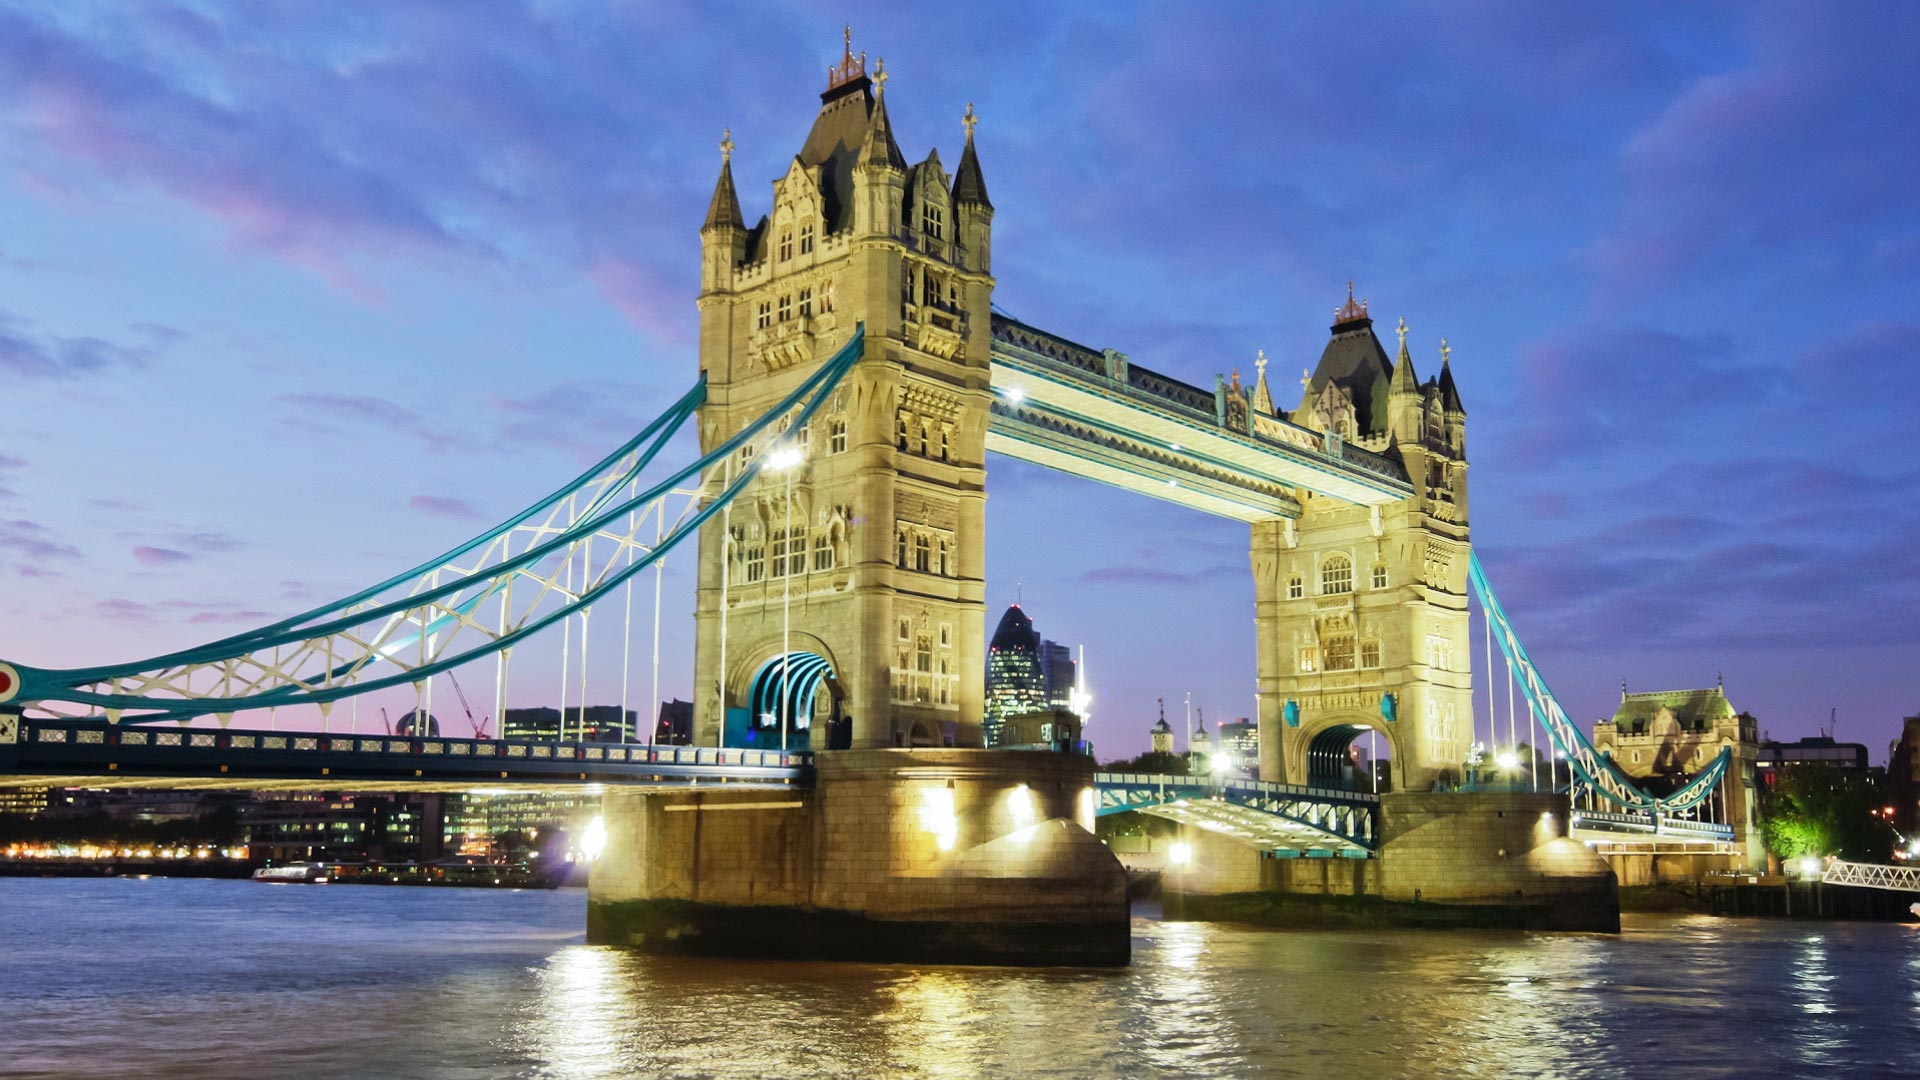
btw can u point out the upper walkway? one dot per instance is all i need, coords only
(1097, 414)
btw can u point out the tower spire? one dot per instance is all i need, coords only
(969, 184)
(1405, 381)
(1449, 393)
(879, 148)
(849, 68)
(1262, 397)
(723, 211)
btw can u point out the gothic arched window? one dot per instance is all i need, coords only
(806, 238)
(1295, 588)
(1379, 575)
(922, 553)
(786, 244)
(1336, 575)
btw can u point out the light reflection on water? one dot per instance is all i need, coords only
(216, 979)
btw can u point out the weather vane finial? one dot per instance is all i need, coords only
(1402, 331)
(726, 146)
(969, 120)
(1260, 362)
(1446, 350)
(880, 77)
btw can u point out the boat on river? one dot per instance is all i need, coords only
(293, 874)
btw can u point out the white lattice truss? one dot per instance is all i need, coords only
(1873, 876)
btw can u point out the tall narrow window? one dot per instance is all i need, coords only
(786, 244)
(901, 433)
(929, 290)
(756, 563)
(1379, 575)
(946, 442)
(806, 238)
(1295, 590)
(1370, 653)
(900, 542)
(786, 306)
(765, 318)
(778, 567)
(932, 220)
(837, 437)
(823, 552)
(806, 302)
(922, 553)
(1336, 575)
(1309, 659)
(943, 564)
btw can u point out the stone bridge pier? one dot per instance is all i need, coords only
(933, 855)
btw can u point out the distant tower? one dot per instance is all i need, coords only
(1163, 732)
(1016, 679)
(1200, 744)
(882, 539)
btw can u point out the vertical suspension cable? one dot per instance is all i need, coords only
(500, 658)
(659, 572)
(626, 634)
(726, 564)
(566, 629)
(1533, 750)
(1493, 711)
(586, 583)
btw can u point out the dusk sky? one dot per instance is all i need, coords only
(295, 295)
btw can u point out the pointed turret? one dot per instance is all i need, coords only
(969, 184)
(1449, 393)
(723, 210)
(1262, 396)
(1405, 381)
(879, 149)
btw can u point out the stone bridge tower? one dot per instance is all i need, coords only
(878, 556)
(1361, 614)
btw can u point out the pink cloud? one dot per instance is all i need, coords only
(159, 556)
(442, 506)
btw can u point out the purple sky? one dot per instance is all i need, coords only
(293, 295)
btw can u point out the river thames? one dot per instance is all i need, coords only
(143, 978)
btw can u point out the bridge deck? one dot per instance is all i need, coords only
(1097, 414)
(75, 753)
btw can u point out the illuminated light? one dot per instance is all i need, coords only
(1021, 803)
(594, 840)
(785, 458)
(1222, 764)
(1088, 809)
(938, 817)
(1173, 483)
(1175, 446)
(1507, 760)
(1016, 394)
(1363, 727)
(1180, 854)
(1810, 866)
(1546, 815)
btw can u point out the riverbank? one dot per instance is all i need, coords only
(1317, 912)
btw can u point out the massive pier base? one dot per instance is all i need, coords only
(934, 855)
(1462, 859)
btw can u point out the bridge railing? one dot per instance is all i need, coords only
(82, 735)
(1650, 825)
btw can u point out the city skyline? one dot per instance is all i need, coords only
(427, 307)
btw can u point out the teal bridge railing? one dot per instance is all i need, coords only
(1283, 820)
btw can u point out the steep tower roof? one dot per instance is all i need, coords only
(969, 184)
(1404, 379)
(850, 115)
(1262, 396)
(1449, 393)
(1015, 632)
(1355, 361)
(724, 207)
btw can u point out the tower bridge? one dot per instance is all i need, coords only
(854, 376)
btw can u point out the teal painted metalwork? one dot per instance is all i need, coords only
(1594, 769)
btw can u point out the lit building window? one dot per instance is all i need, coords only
(1309, 659)
(1336, 575)
(1340, 653)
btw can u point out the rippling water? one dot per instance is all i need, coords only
(232, 978)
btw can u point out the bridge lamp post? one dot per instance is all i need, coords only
(787, 459)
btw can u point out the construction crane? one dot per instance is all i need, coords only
(479, 726)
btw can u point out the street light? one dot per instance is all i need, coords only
(785, 460)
